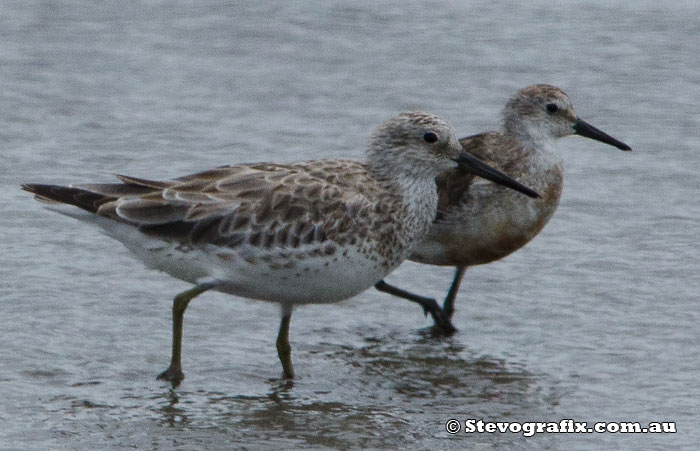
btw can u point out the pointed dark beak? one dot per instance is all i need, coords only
(583, 128)
(477, 167)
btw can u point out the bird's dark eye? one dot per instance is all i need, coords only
(552, 108)
(430, 137)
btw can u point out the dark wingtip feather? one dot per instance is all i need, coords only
(67, 195)
(41, 192)
(29, 187)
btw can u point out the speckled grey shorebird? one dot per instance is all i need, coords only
(299, 233)
(479, 223)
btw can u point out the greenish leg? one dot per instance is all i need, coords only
(284, 350)
(174, 372)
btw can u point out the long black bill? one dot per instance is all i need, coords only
(477, 167)
(583, 128)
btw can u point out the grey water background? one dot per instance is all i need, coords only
(596, 320)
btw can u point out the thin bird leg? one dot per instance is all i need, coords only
(284, 350)
(174, 372)
(448, 307)
(442, 321)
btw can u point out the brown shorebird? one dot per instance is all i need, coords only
(478, 222)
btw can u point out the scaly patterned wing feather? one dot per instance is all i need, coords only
(262, 205)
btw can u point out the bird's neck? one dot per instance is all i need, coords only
(415, 185)
(540, 146)
(415, 190)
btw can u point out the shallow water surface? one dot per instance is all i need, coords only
(595, 320)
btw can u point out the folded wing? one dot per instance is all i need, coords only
(261, 205)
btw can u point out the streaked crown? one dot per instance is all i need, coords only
(543, 111)
(420, 139)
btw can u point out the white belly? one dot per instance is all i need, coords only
(288, 276)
